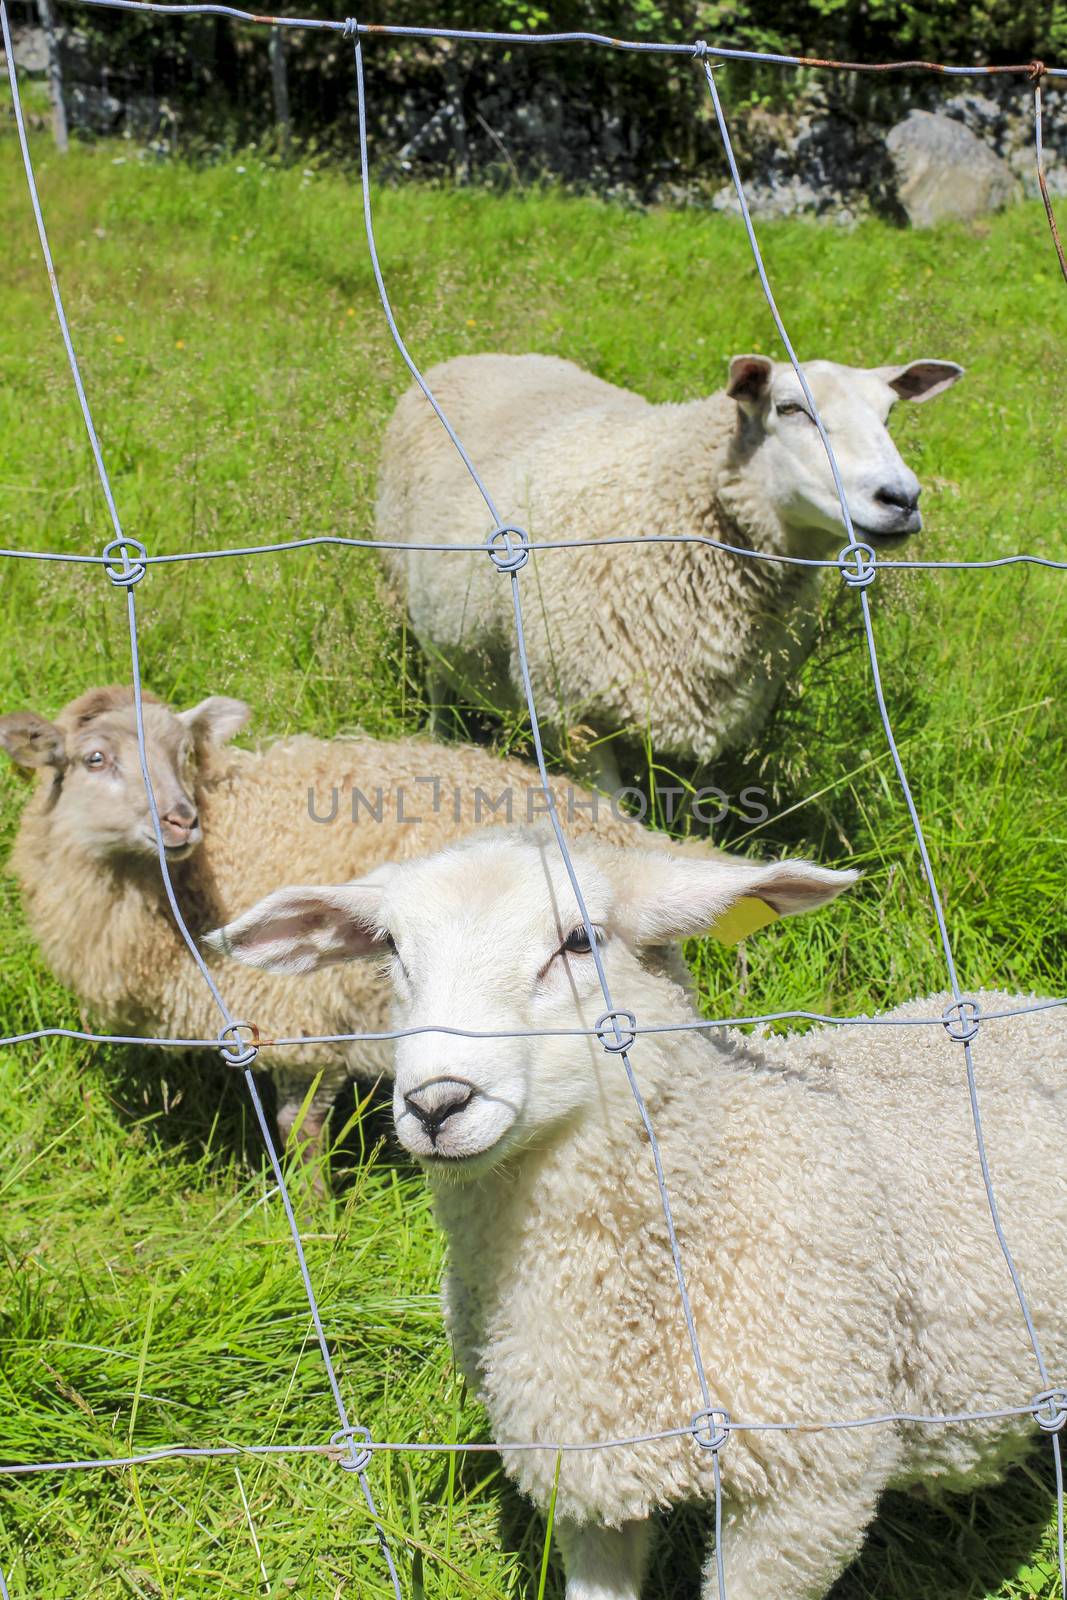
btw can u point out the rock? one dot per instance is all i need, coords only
(31, 49)
(944, 170)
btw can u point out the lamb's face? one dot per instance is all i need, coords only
(487, 939)
(786, 456)
(96, 798)
(490, 940)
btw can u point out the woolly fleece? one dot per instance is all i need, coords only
(108, 934)
(686, 642)
(841, 1262)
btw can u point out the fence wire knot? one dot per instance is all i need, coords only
(355, 1460)
(961, 1020)
(700, 50)
(1037, 71)
(235, 1050)
(350, 29)
(509, 548)
(120, 568)
(711, 1428)
(1050, 1410)
(616, 1030)
(863, 573)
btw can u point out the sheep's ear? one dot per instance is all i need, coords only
(304, 928)
(750, 378)
(921, 380)
(662, 898)
(215, 719)
(31, 741)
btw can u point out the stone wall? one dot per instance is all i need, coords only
(945, 154)
(914, 148)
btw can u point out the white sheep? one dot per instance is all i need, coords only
(683, 645)
(832, 1220)
(234, 822)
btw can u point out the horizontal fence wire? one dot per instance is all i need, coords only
(126, 561)
(180, 1452)
(538, 547)
(388, 1035)
(351, 27)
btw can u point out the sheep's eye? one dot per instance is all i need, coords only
(95, 760)
(392, 954)
(577, 942)
(792, 408)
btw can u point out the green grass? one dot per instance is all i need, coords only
(241, 374)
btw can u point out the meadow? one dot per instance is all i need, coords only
(241, 374)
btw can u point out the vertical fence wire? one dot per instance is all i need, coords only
(20, 126)
(546, 787)
(351, 31)
(865, 569)
(511, 564)
(124, 560)
(127, 575)
(1042, 178)
(1061, 1551)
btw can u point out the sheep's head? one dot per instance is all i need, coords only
(91, 765)
(487, 937)
(781, 445)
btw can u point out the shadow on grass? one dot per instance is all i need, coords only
(187, 1102)
(963, 1547)
(194, 1107)
(958, 1548)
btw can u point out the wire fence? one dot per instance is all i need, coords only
(126, 562)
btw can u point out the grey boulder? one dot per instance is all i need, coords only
(943, 170)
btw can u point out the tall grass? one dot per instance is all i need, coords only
(241, 375)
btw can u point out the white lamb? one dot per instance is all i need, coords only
(235, 822)
(840, 1256)
(684, 645)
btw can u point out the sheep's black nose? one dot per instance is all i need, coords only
(435, 1102)
(903, 499)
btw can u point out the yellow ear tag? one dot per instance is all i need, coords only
(745, 916)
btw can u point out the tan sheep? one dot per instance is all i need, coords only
(236, 822)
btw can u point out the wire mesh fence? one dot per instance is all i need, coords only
(126, 562)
